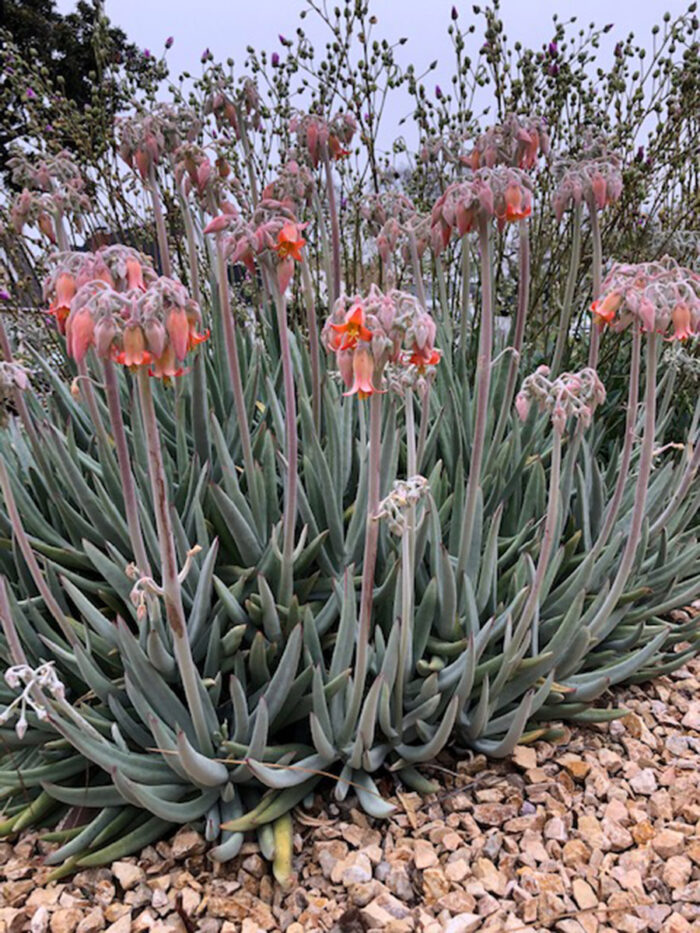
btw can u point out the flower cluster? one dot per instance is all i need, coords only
(119, 267)
(391, 216)
(145, 137)
(292, 187)
(570, 395)
(274, 232)
(211, 181)
(597, 181)
(396, 507)
(52, 186)
(113, 301)
(226, 112)
(367, 333)
(314, 134)
(501, 192)
(516, 142)
(29, 680)
(655, 295)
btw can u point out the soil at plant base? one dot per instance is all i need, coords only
(597, 832)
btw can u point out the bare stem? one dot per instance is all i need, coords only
(546, 546)
(483, 385)
(234, 366)
(417, 271)
(161, 233)
(628, 443)
(170, 583)
(634, 533)
(597, 273)
(466, 296)
(370, 552)
(291, 450)
(314, 349)
(335, 225)
(565, 317)
(520, 320)
(131, 505)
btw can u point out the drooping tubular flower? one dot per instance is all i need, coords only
(595, 181)
(205, 172)
(226, 104)
(293, 186)
(503, 193)
(313, 132)
(570, 395)
(119, 267)
(274, 232)
(126, 312)
(368, 333)
(516, 142)
(660, 297)
(145, 137)
(52, 186)
(393, 219)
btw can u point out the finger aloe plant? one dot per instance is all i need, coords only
(233, 569)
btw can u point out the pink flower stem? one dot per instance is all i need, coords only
(291, 449)
(483, 385)
(247, 154)
(417, 271)
(170, 582)
(61, 234)
(423, 430)
(565, 317)
(546, 546)
(634, 533)
(466, 296)
(597, 274)
(518, 335)
(314, 348)
(190, 237)
(321, 227)
(368, 567)
(131, 505)
(26, 418)
(200, 424)
(25, 547)
(161, 233)
(626, 454)
(335, 225)
(88, 390)
(235, 369)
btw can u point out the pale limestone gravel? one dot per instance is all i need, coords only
(598, 832)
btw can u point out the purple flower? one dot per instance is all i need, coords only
(48, 128)
(283, 40)
(31, 93)
(438, 92)
(454, 13)
(553, 49)
(4, 296)
(554, 70)
(275, 59)
(169, 42)
(146, 53)
(206, 54)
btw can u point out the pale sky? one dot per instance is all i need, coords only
(228, 26)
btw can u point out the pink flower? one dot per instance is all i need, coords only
(80, 333)
(682, 324)
(363, 372)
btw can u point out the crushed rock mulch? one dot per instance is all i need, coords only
(597, 832)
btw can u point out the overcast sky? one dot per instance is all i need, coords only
(228, 26)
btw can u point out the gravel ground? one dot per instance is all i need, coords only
(597, 832)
